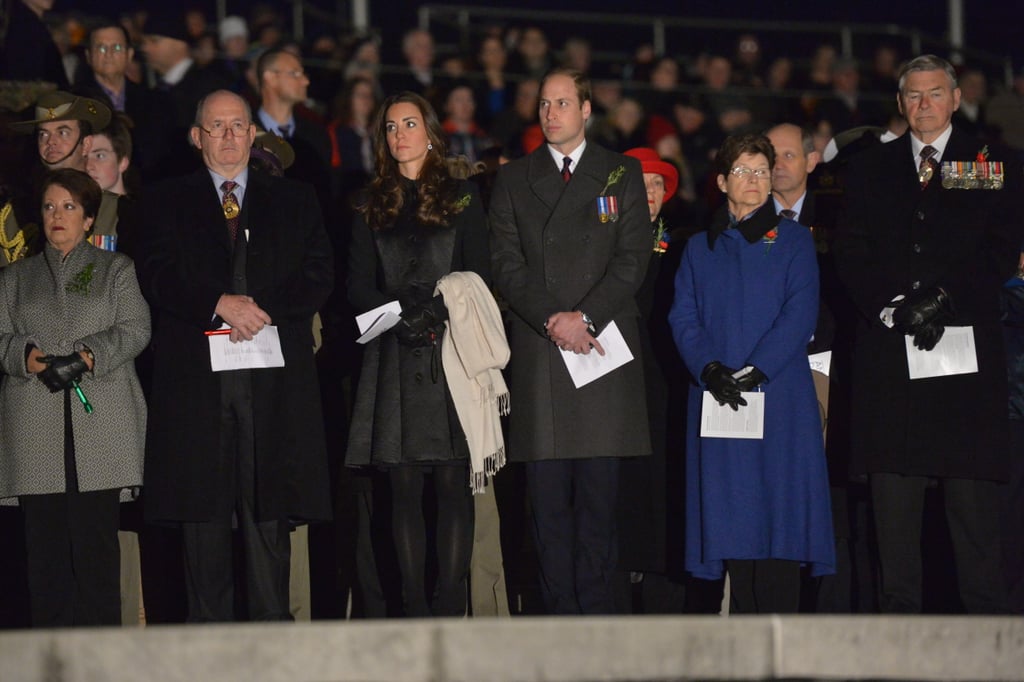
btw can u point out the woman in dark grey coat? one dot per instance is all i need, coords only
(71, 315)
(416, 225)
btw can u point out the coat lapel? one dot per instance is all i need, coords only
(544, 179)
(207, 208)
(590, 178)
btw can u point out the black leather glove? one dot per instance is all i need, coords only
(924, 306)
(422, 324)
(929, 334)
(61, 371)
(723, 386)
(752, 379)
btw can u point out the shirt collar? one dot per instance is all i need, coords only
(241, 180)
(177, 72)
(939, 144)
(272, 126)
(575, 155)
(116, 98)
(797, 206)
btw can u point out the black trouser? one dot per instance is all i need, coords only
(73, 556)
(573, 504)
(454, 537)
(1011, 519)
(74, 561)
(973, 526)
(209, 572)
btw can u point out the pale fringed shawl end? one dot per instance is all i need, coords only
(473, 353)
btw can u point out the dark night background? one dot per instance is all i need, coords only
(993, 27)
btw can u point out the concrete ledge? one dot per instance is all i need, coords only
(530, 650)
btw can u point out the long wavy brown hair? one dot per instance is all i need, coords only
(436, 189)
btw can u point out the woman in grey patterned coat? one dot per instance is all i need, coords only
(71, 315)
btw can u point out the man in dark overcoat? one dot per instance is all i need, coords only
(242, 447)
(567, 271)
(921, 251)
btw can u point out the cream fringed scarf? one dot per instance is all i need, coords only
(473, 353)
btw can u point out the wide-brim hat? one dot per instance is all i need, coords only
(650, 162)
(852, 136)
(64, 106)
(277, 146)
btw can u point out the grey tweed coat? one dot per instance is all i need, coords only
(111, 318)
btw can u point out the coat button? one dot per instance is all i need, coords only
(586, 238)
(917, 248)
(551, 280)
(916, 285)
(586, 276)
(413, 262)
(417, 353)
(549, 241)
(419, 377)
(919, 215)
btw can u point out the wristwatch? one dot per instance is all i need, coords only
(589, 322)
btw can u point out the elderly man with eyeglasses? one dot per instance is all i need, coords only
(229, 258)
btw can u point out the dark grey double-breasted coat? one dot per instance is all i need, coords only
(552, 253)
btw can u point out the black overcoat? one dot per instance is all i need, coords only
(403, 412)
(893, 238)
(184, 266)
(551, 253)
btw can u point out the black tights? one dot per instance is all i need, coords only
(764, 585)
(454, 537)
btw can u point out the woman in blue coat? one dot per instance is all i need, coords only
(745, 308)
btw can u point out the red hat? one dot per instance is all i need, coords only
(652, 163)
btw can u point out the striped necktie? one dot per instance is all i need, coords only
(926, 169)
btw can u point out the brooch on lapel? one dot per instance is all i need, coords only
(608, 207)
(79, 284)
(978, 174)
(769, 238)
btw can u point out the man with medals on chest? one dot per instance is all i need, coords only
(928, 233)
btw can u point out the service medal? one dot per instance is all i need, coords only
(607, 208)
(925, 174)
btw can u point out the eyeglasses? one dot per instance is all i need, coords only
(218, 129)
(116, 48)
(294, 73)
(759, 173)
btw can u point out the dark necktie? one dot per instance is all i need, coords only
(566, 173)
(788, 213)
(926, 169)
(231, 208)
(286, 131)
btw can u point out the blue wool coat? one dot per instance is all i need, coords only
(745, 302)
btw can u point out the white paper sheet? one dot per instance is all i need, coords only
(375, 322)
(263, 351)
(586, 368)
(955, 353)
(721, 421)
(821, 362)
